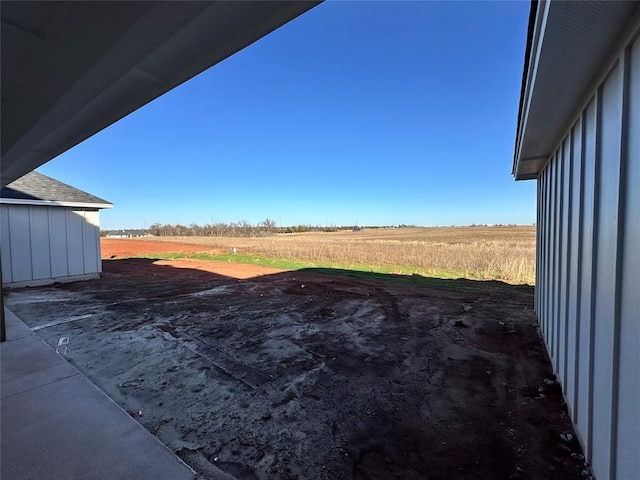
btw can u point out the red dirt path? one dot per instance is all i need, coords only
(123, 248)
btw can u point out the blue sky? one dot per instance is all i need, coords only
(359, 112)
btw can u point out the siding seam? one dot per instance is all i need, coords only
(33, 271)
(567, 267)
(66, 232)
(594, 256)
(579, 266)
(562, 296)
(549, 281)
(556, 259)
(83, 226)
(9, 244)
(50, 242)
(615, 374)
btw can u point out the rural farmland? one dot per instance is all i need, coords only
(478, 253)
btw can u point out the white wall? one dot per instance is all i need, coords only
(43, 244)
(588, 278)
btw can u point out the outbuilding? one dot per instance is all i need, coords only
(50, 232)
(579, 138)
(126, 233)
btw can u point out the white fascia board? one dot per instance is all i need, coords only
(534, 60)
(50, 203)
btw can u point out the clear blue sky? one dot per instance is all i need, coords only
(375, 113)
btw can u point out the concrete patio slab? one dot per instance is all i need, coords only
(55, 423)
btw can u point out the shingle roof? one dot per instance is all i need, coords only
(36, 187)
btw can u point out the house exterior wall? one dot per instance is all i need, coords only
(42, 244)
(588, 269)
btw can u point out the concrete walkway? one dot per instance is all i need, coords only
(55, 423)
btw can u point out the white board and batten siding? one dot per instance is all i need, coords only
(46, 244)
(588, 278)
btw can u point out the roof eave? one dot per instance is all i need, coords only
(169, 44)
(50, 203)
(572, 47)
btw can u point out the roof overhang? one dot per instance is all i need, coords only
(569, 49)
(50, 203)
(70, 69)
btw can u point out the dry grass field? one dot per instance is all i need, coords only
(481, 253)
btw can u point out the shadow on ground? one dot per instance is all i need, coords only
(317, 373)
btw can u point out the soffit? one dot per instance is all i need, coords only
(70, 69)
(572, 43)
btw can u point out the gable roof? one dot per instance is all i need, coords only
(34, 188)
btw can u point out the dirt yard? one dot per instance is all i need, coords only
(289, 375)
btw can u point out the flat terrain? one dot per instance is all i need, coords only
(483, 253)
(259, 374)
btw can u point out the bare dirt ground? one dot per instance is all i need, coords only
(123, 247)
(307, 375)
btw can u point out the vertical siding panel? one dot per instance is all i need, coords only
(96, 220)
(540, 249)
(544, 266)
(555, 212)
(91, 237)
(549, 266)
(75, 257)
(536, 297)
(557, 267)
(544, 289)
(605, 265)
(564, 253)
(548, 262)
(585, 333)
(558, 293)
(58, 242)
(40, 248)
(627, 459)
(540, 253)
(5, 241)
(543, 249)
(20, 243)
(573, 312)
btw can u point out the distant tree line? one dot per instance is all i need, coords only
(234, 229)
(265, 228)
(243, 229)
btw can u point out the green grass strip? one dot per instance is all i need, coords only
(450, 279)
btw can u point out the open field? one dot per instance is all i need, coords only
(246, 373)
(483, 253)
